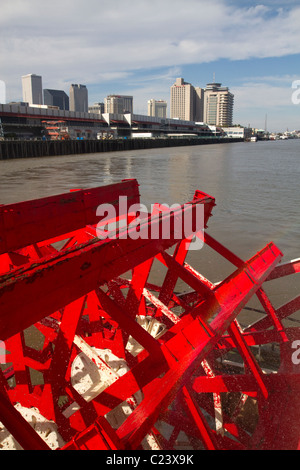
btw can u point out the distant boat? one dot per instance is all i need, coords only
(253, 139)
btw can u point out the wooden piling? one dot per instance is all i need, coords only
(35, 149)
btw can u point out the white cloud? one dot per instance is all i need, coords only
(267, 97)
(98, 40)
(261, 95)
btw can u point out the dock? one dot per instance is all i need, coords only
(38, 148)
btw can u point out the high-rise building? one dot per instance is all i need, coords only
(157, 108)
(186, 101)
(218, 105)
(118, 104)
(56, 98)
(79, 98)
(32, 89)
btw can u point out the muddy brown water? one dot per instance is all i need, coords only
(256, 187)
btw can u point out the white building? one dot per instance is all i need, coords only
(97, 108)
(32, 89)
(238, 132)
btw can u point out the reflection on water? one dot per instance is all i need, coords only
(256, 186)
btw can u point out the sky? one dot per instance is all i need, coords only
(140, 47)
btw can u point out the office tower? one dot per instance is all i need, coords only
(157, 108)
(97, 108)
(79, 98)
(186, 101)
(56, 98)
(118, 104)
(218, 105)
(32, 89)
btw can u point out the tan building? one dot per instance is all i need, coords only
(118, 104)
(182, 102)
(186, 101)
(157, 108)
(218, 105)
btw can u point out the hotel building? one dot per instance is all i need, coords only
(218, 105)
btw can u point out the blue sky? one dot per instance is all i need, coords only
(140, 47)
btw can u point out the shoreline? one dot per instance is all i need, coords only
(37, 149)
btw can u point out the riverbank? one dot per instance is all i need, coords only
(28, 149)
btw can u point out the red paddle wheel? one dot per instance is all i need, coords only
(98, 354)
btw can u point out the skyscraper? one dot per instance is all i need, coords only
(157, 108)
(32, 89)
(79, 98)
(186, 101)
(218, 105)
(118, 104)
(56, 98)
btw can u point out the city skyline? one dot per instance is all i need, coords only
(188, 105)
(139, 50)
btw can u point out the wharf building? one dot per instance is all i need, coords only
(32, 89)
(157, 108)
(22, 122)
(79, 98)
(186, 101)
(218, 105)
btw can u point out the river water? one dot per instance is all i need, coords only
(256, 187)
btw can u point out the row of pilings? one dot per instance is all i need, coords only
(31, 149)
